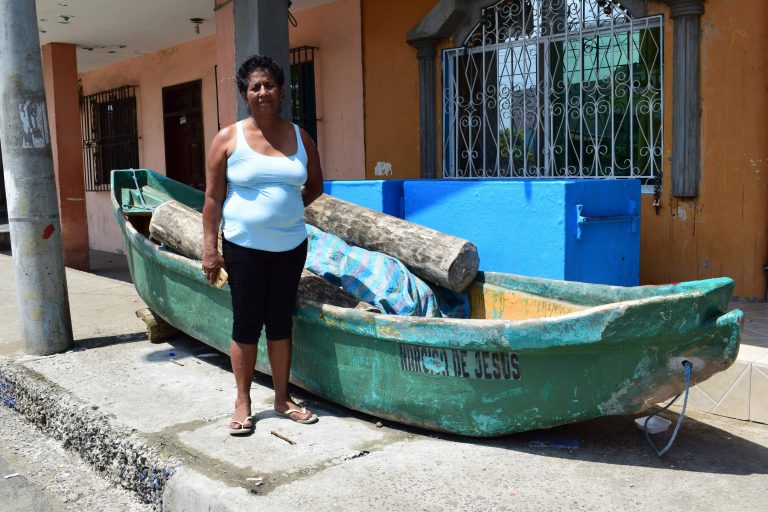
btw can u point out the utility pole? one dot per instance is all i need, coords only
(30, 184)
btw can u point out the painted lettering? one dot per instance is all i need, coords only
(515, 367)
(456, 363)
(496, 365)
(486, 371)
(479, 365)
(461, 364)
(506, 367)
(444, 357)
(464, 372)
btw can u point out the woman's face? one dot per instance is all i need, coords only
(263, 93)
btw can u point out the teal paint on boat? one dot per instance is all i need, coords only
(593, 350)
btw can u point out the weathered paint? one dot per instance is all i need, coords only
(34, 125)
(613, 355)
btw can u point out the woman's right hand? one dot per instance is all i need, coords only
(212, 262)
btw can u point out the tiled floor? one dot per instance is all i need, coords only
(741, 392)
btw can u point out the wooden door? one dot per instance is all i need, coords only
(183, 126)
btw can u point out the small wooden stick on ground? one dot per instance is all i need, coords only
(284, 438)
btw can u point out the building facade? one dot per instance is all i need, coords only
(671, 93)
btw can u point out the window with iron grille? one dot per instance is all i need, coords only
(110, 134)
(555, 88)
(303, 88)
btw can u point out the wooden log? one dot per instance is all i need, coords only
(181, 228)
(436, 257)
(157, 328)
(315, 288)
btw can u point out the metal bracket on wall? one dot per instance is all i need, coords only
(632, 218)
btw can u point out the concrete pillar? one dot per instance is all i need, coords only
(439, 23)
(686, 97)
(225, 63)
(426, 52)
(261, 26)
(33, 214)
(62, 99)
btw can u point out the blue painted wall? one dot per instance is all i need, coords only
(384, 196)
(526, 227)
(607, 252)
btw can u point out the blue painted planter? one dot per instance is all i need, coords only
(576, 230)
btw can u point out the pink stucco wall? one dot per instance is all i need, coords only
(335, 29)
(175, 65)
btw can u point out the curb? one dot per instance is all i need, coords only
(113, 450)
(190, 491)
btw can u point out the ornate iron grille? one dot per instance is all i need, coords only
(303, 88)
(555, 88)
(110, 134)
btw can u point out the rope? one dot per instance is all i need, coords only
(138, 189)
(687, 374)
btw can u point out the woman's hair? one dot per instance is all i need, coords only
(261, 62)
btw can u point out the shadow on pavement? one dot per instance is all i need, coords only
(105, 341)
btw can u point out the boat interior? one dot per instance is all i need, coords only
(487, 301)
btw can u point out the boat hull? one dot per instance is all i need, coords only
(620, 354)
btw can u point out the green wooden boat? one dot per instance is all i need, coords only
(536, 352)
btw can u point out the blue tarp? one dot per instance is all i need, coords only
(379, 279)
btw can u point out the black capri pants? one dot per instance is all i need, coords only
(263, 286)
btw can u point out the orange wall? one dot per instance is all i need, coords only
(175, 65)
(336, 31)
(722, 232)
(391, 83)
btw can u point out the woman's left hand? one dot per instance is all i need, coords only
(212, 262)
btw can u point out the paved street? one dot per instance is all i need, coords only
(49, 478)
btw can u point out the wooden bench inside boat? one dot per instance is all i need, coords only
(493, 302)
(138, 205)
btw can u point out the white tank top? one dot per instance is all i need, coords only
(263, 209)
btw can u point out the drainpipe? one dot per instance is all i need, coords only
(33, 214)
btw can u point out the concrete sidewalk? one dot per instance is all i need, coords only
(153, 418)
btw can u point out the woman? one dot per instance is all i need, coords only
(256, 169)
